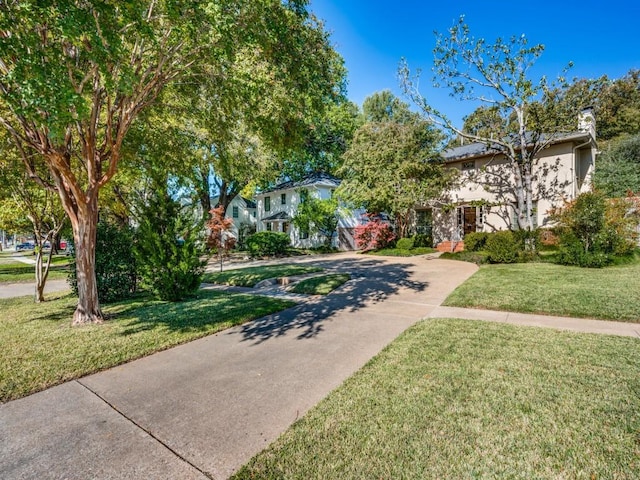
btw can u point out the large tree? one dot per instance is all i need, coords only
(75, 75)
(496, 76)
(393, 164)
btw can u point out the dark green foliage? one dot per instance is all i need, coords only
(475, 241)
(115, 264)
(594, 230)
(405, 244)
(572, 252)
(502, 247)
(466, 256)
(618, 169)
(422, 240)
(268, 243)
(168, 248)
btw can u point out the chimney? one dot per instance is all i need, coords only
(587, 121)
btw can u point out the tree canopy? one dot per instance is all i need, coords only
(496, 75)
(74, 76)
(393, 165)
(618, 168)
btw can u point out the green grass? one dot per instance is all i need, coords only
(39, 348)
(610, 293)
(248, 277)
(399, 252)
(14, 271)
(458, 399)
(321, 285)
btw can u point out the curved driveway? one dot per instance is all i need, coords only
(203, 409)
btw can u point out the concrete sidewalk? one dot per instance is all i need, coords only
(10, 290)
(203, 409)
(583, 325)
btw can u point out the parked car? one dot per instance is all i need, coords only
(25, 246)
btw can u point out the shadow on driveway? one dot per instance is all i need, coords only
(372, 281)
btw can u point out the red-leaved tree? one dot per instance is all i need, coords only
(220, 237)
(373, 235)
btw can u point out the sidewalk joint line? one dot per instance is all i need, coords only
(136, 424)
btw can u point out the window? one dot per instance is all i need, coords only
(267, 204)
(283, 199)
(304, 234)
(468, 166)
(236, 214)
(269, 227)
(254, 214)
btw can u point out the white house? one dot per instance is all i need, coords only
(243, 213)
(277, 206)
(483, 199)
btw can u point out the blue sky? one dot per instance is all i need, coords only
(599, 37)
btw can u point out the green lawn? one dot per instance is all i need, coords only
(12, 270)
(248, 277)
(39, 348)
(321, 285)
(459, 399)
(611, 293)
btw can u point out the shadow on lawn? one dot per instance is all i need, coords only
(371, 281)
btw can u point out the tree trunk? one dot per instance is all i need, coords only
(84, 235)
(40, 278)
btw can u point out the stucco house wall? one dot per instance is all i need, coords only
(481, 201)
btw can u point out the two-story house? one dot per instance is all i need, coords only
(483, 200)
(277, 206)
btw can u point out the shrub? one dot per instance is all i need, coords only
(374, 235)
(168, 247)
(593, 230)
(465, 256)
(115, 264)
(572, 252)
(422, 240)
(502, 247)
(475, 241)
(268, 244)
(405, 244)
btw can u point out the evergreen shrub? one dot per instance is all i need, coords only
(263, 244)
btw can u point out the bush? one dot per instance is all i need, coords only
(115, 264)
(502, 247)
(168, 247)
(422, 240)
(268, 244)
(593, 230)
(475, 241)
(374, 235)
(572, 252)
(465, 256)
(405, 244)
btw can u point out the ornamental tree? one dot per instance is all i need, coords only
(74, 76)
(497, 76)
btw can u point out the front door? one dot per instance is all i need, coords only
(470, 224)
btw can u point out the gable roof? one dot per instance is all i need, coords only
(318, 178)
(479, 149)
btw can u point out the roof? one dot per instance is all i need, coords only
(479, 149)
(277, 216)
(318, 178)
(249, 203)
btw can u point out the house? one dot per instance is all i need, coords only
(277, 206)
(483, 199)
(243, 213)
